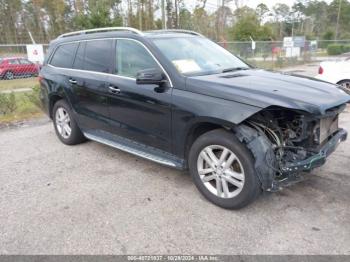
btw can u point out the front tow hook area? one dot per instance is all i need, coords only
(318, 159)
(291, 171)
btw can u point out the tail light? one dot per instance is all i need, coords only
(320, 70)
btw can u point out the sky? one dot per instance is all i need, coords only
(212, 4)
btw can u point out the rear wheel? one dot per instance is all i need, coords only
(9, 75)
(66, 127)
(223, 169)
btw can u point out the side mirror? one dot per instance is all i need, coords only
(150, 76)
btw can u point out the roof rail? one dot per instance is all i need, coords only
(102, 29)
(176, 31)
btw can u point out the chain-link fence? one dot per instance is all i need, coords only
(275, 54)
(19, 92)
(15, 63)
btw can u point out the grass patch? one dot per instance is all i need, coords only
(29, 82)
(24, 109)
(269, 65)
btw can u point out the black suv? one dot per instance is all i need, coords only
(177, 98)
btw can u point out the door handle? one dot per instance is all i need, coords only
(72, 81)
(113, 89)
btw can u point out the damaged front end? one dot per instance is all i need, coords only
(287, 142)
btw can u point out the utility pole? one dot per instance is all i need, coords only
(338, 17)
(140, 14)
(217, 31)
(163, 15)
(128, 15)
(222, 18)
(176, 15)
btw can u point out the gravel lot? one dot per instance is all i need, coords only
(92, 199)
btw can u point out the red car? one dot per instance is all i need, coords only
(12, 67)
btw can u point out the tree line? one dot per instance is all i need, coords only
(228, 20)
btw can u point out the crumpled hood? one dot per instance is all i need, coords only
(264, 88)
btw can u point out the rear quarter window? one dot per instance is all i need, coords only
(64, 55)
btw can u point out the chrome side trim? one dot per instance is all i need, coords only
(91, 72)
(130, 150)
(102, 29)
(108, 74)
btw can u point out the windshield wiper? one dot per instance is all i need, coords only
(232, 69)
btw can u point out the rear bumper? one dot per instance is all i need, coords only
(318, 159)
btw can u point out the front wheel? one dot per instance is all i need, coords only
(223, 169)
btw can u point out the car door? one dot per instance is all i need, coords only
(14, 67)
(27, 67)
(141, 113)
(88, 80)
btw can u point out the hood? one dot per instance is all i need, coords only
(262, 88)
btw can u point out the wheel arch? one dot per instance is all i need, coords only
(202, 126)
(259, 146)
(342, 80)
(54, 97)
(345, 88)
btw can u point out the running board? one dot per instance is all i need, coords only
(134, 148)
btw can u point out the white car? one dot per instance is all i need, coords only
(336, 72)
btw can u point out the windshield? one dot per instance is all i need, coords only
(198, 56)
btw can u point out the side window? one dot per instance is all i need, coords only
(79, 57)
(98, 55)
(63, 57)
(13, 62)
(25, 62)
(132, 57)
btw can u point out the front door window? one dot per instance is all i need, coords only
(132, 57)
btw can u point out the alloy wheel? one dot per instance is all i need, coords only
(9, 75)
(220, 171)
(63, 123)
(346, 85)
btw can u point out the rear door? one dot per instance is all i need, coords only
(56, 72)
(88, 81)
(138, 112)
(14, 66)
(27, 67)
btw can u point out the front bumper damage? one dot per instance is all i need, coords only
(291, 171)
(319, 158)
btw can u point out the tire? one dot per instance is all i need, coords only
(9, 75)
(246, 186)
(64, 122)
(346, 85)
